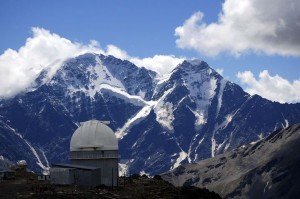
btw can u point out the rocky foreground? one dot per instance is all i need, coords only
(26, 185)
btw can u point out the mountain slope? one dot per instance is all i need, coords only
(14, 147)
(48, 115)
(191, 114)
(268, 168)
(198, 115)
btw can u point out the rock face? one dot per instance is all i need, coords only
(191, 114)
(268, 168)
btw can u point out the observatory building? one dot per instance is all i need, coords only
(94, 157)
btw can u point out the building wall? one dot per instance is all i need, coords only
(106, 160)
(62, 176)
(94, 154)
(83, 177)
(90, 178)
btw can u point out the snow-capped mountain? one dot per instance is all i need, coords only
(193, 113)
(268, 168)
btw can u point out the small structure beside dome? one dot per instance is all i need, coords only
(94, 157)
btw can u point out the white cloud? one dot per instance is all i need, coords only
(274, 88)
(162, 64)
(19, 69)
(220, 71)
(268, 26)
(116, 52)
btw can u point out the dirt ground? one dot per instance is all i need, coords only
(26, 185)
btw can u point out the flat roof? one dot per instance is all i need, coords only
(74, 166)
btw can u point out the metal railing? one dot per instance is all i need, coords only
(92, 156)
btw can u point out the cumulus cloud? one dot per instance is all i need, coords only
(19, 68)
(162, 64)
(267, 26)
(117, 52)
(46, 50)
(274, 88)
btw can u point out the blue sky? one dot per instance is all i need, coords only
(143, 29)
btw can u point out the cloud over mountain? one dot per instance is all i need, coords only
(268, 26)
(274, 88)
(46, 50)
(19, 68)
(162, 64)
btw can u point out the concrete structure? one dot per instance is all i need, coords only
(65, 174)
(94, 157)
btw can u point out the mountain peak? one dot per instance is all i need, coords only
(194, 62)
(194, 65)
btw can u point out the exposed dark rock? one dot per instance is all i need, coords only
(266, 169)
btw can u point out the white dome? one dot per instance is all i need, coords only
(93, 135)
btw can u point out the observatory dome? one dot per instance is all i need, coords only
(93, 135)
